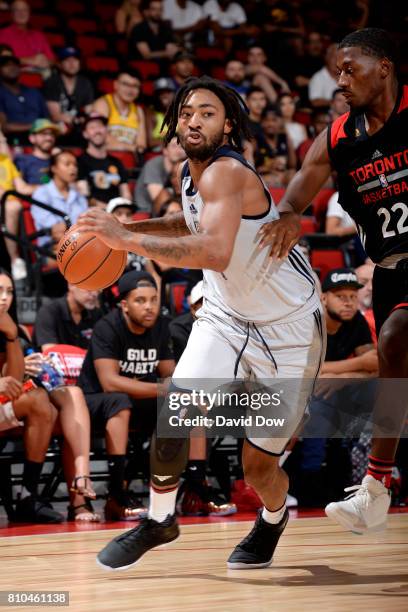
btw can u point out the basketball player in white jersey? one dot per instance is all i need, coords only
(260, 318)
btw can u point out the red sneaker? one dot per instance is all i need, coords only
(245, 497)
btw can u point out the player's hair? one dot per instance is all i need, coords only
(235, 109)
(372, 41)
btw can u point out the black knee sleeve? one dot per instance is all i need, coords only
(168, 458)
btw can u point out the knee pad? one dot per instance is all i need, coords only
(168, 458)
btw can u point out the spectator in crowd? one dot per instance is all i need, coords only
(235, 77)
(306, 66)
(126, 120)
(60, 193)
(228, 22)
(180, 327)
(128, 16)
(35, 166)
(319, 121)
(257, 102)
(30, 46)
(163, 94)
(101, 176)
(129, 351)
(262, 76)
(10, 178)
(350, 354)
(158, 180)
(282, 24)
(338, 221)
(295, 130)
(20, 106)
(182, 67)
(69, 319)
(123, 209)
(67, 92)
(338, 105)
(324, 82)
(31, 409)
(365, 295)
(152, 39)
(186, 18)
(5, 49)
(275, 157)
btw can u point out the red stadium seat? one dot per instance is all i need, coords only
(71, 7)
(325, 260)
(102, 64)
(126, 157)
(319, 205)
(148, 88)
(106, 12)
(210, 53)
(89, 45)
(55, 40)
(82, 26)
(31, 79)
(105, 85)
(218, 72)
(241, 56)
(122, 47)
(42, 22)
(146, 68)
(308, 225)
(277, 193)
(176, 295)
(5, 18)
(141, 216)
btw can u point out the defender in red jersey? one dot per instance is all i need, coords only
(368, 149)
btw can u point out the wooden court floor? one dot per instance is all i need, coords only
(316, 567)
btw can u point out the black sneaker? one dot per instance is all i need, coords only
(256, 550)
(125, 550)
(32, 509)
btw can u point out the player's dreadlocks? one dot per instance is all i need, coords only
(372, 41)
(235, 109)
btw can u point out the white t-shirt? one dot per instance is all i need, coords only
(181, 18)
(334, 209)
(296, 132)
(322, 85)
(232, 17)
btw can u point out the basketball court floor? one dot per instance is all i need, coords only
(317, 566)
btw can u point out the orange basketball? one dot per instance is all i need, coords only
(87, 262)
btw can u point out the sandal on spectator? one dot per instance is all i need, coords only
(86, 490)
(87, 515)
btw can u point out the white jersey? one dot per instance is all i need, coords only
(253, 287)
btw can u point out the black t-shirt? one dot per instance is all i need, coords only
(102, 175)
(83, 94)
(143, 33)
(180, 330)
(348, 337)
(54, 325)
(138, 354)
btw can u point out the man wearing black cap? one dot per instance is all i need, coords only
(350, 354)
(183, 67)
(67, 92)
(101, 176)
(129, 350)
(20, 106)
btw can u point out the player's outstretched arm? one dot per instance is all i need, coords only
(284, 233)
(221, 187)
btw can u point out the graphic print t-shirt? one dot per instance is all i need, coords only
(138, 354)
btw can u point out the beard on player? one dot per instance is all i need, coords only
(205, 147)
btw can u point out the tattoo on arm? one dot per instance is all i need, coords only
(174, 225)
(156, 249)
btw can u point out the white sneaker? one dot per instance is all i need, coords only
(365, 509)
(18, 269)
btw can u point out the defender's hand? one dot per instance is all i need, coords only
(281, 234)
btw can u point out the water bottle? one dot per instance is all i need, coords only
(49, 377)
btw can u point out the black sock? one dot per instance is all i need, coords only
(195, 470)
(116, 465)
(31, 475)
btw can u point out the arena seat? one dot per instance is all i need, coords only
(31, 79)
(324, 260)
(148, 88)
(43, 22)
(277, 193)
(89, 45)
(308, 225)
(106, 12)
(83, 26)
(140, 215)
(146, 68)
(218, 72)
(105, 85)
(126, 157)
(55, 40)
(319, 205)
(102, 64)
(176, 294)
(71, 7)
(210, 53)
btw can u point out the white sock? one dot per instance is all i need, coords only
(283, 457)
(273, 517)
(162, 504)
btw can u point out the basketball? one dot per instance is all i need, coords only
(87, 262)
